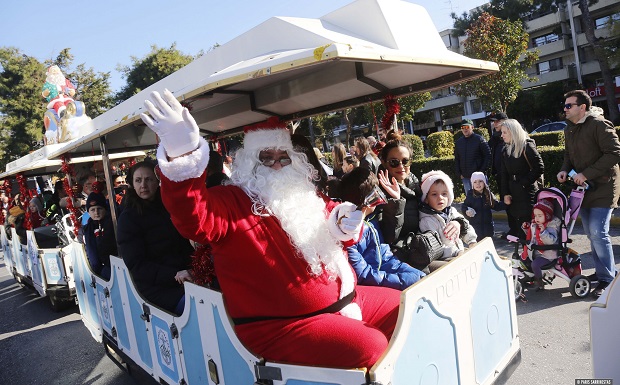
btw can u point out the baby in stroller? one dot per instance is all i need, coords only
(543, 230)
(546, 254)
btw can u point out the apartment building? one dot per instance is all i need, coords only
(564, 55)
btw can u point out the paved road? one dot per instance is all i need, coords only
(554, 326)
(38, 346)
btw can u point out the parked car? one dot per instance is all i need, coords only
(554, 126)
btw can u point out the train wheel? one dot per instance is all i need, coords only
(579, 286)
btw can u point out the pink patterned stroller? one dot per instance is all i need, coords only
(568, 265)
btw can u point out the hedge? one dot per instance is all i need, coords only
(416, 144)
(553, 157)
(440, 144)
(554, 138)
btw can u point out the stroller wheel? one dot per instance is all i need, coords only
(518, 288)
(579, 286)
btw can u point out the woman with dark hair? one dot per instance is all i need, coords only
(522, 165)
(156, 255)
(367, 158)
(400, 216)
(215, 167)
(338, 155)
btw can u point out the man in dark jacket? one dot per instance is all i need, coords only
(471, 154)
(592, 150)
(496, 145)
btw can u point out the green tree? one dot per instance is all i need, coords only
(513, 10)
(21, 105)
(504, 42)
(93, 89)
(156, 65)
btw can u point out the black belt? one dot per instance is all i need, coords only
(333, 308)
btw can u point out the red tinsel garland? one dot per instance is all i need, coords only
(67, 169)
(391, 109)
(202, 266)
(25, 199)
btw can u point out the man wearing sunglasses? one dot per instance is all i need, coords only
(471, 154)
(278, 245)
(592, 150)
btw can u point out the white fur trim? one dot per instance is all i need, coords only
(258, 140)
(334, 228)
(185, 167)
(431, 177)
(347, 279)
(352, 310)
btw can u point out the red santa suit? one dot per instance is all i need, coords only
(278, 306)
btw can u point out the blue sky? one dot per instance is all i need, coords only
(103, 34)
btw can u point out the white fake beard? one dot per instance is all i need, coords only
(292, 198)
(57, 79)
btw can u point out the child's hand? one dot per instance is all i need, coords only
(525, 225)
(452, 230)
(392, 187)
(470, 212)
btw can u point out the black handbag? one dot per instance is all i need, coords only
(421, 249)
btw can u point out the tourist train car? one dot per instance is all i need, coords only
(456, 326)
(605, 345)
(43, 261)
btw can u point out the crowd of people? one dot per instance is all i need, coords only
(314, 255)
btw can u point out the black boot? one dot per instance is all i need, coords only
(539, 284)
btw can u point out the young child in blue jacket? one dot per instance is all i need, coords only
(371, 259)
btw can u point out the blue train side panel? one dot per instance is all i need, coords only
(457, 326)
(466, 306)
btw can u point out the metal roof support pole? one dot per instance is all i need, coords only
(105, 159)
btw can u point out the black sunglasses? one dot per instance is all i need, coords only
(270, 162)
(568, 106)
(395, 162)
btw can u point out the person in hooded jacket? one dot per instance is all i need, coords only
(99, 235)
(157, 256)
(522, 165)
(478, 206)
(400, 216)
(496, 145)
(592, 151)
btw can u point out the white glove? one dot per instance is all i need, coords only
(173, 123)
(470, 212)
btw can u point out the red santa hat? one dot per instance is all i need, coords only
(269, 134)
(546, 206)
(431, 177)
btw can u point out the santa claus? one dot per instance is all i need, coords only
(58, 91)
(277, 245)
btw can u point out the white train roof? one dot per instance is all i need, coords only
(298, 67)
(38, 163)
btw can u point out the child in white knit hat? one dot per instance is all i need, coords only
(478, 205)
(436, 212)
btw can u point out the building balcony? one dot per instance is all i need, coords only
(442, 102)
(599, 33)
(551, 48)
(543, 22)
(599, 5)
(548, 77)
(590, 67)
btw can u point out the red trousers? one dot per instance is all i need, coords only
(329, 340)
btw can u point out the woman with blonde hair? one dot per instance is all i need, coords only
(522, 165)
